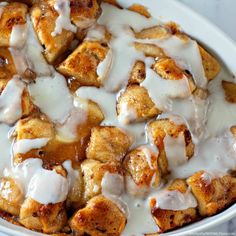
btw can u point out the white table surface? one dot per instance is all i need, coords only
(223, 14)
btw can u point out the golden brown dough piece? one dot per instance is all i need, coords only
(48, 219)
(108, 143)
(138, 73)
(34, 127)
(101, 217)
(233, 130)
(135, 105)
(41, 15)
(11, 196)
(170, 219)
(7, 71)
(156, 32)
(212, 194)
(75, 195)
(158, 129)
(210, 64)
(168, 69)
(230, 91)
(93, 172)
(13, 14)
(82, 64)
(142, 10)
(84, 13)
(141, 166)
(150, 50)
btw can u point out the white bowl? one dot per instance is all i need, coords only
(220, 44)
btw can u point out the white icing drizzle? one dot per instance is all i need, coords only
(148, 154)
(72, 175)
(18, 36)
(38, 183)
(175, 150)
(124, 54)
(44, 180)
(214, 155)
(174, 200)
(139, 221)
(33, 52)
(30, 55)
(3, 4)
(25, 145)
(63, 20)
(78, 116)
(104, 66)
(5, 147)
(127, 114)
(219, 107)
(133, 189)
(10, 101)
(112, 184)
(53, 97)
(110, 180)
(19, 60)
(161, 90)
(96, 33)
(195, 113)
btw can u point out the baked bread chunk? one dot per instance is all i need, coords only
(54, 46)
(168, 69)
(49, 218)
(93, 172)
(135, 105)
(170, 219)
(14, 14)
(100, 217)
(82, 64)
(108, 144)
(230, 91)
(213, 193)
(84, 13)
(141, 170)
(11, 196)
(159, 129)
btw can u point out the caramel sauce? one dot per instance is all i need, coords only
(56, 151)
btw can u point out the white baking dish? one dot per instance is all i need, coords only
(206, 33)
